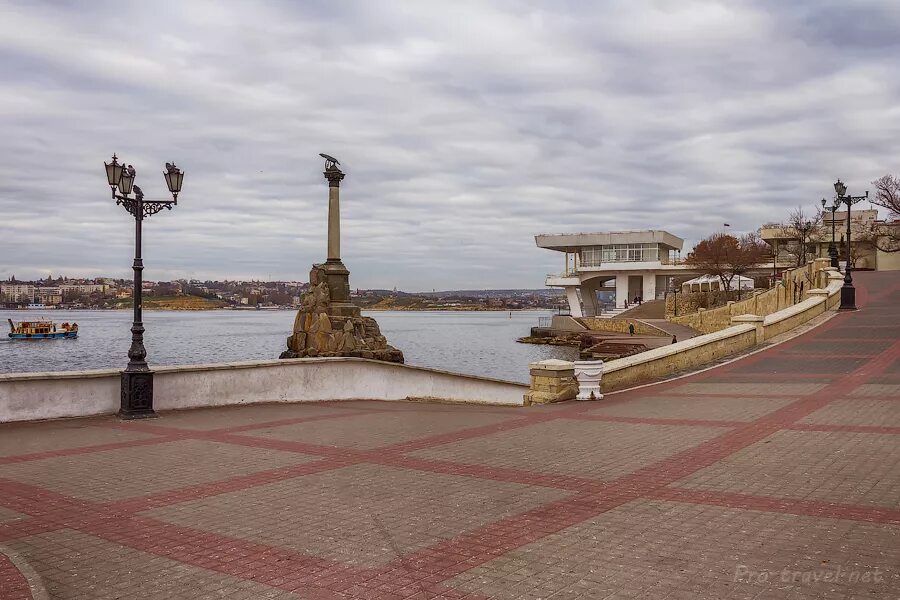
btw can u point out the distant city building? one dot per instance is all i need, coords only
(867, 234)
(17, 292)
(49, 296)
(83, 288)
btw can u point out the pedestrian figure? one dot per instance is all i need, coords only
(674, 339)
(631, 329)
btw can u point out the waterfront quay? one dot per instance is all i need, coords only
(772, 476)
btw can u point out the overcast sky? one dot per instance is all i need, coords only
(464, 127)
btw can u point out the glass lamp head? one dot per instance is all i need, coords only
(126, 181)
(174, 178)
(840, 189)
(113, 171)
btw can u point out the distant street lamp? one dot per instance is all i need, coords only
(137, 378)
(848, 292)
(774, 261)
(674, 291)
(807, 238)
(832, 249)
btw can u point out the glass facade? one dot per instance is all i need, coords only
(594, 256)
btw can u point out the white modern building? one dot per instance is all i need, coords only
(629, 263)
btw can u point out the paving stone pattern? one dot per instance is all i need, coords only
(774, 476)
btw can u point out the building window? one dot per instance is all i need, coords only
(594, 256)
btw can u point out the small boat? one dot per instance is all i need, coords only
(41, 330)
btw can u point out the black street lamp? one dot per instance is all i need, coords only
(848, 292)
(673, 289)
(137, 378)
(774, 261)
(832, 249)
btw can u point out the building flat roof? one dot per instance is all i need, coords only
(571, 242)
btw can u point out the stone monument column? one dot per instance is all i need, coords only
(334, 176)
(328, 324)
(333, 271)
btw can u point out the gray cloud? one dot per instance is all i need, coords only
(465, 128)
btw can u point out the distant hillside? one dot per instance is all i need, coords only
(493, 293)
(172, 303)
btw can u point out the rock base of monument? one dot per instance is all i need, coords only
(321, 334)
(328, 324)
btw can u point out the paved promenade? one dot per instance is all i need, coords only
(775, 476)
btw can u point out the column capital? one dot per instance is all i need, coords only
(334, 176)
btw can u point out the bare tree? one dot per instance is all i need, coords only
(751, 251)
(857, 248)
(867, 236)
(886, 236)
(801, 226)
(887, 194)
(713, 256)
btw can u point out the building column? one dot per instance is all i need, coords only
(649, 288)
(621, 290)
(574, 301)
(589, 299)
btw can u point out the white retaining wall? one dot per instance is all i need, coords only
(31, 396)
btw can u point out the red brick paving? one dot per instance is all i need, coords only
(774, 476)
(12, 582)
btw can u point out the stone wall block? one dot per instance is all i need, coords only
(551, 381)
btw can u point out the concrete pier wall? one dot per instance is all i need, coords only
(32, 396)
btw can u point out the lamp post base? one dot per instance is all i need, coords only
(833, 254)
(137, 395)
(848, 297)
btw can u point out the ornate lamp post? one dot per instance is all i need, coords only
(848, 292)
(832, 249)
(137, 378)
(774, 261)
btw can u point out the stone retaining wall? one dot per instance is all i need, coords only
(804, 278)
(745, 332)
(690, 302)
(621, 326)
(689, 354)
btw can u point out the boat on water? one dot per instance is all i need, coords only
(41, 330)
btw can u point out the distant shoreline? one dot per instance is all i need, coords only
(279, 309)
(452, 309)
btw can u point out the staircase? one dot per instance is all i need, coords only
(611, 350)
(611, 313)
(652, 309)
